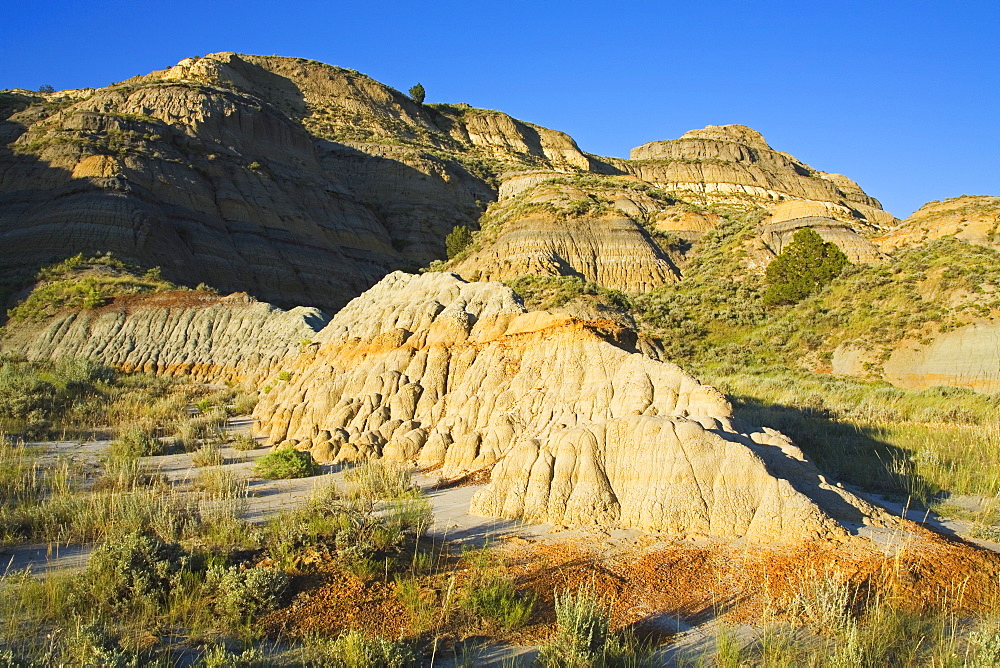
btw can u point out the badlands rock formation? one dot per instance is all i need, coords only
(188, 333)
(606, 228)
(549, 225)
(302, 183)
(965, 357)
(576, 426)
(298, 182)
(975, 219)
(784, 219)
(734, 162)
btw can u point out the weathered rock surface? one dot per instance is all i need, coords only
(605, 228)
(187, 333)
(576, 427)
(778, 229)
(965, 357)
(734, 162)
(298, 182)
(303, 183)
(975, 219)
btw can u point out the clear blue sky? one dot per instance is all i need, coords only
(903, 97)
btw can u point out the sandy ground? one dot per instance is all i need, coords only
(452, 522)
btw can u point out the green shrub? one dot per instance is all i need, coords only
(244, 442)
(129, 569)
(246, 594)
(417, 93)
(136, 441)
(379, 479)
(356, 650)
(804, 267)
(457, 240)
(497, 599)
(582, 625)
(287, 463)
(208, 455)
(218, 656)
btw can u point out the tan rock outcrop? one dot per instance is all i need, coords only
(968, 356)
(975, 219)
(605, 228)
(576, 426)
(191, 334)
(734, 162)
(778, 229)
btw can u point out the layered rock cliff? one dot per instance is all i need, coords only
(303, 183)
(576, 427)
(613, 228)
(734, 162)
(298, 182)
(182, 333)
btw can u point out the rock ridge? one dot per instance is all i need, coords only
(576, 428)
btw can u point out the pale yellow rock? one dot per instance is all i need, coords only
(189, 333)
(975, 219)
(578, 427)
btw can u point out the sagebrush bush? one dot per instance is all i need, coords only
(136, 441)
(244, 442)
(379, 479)
(127, 570)
(248, 593)
(219, 656)
(207, 455)
(356, 650)
(496, 598)
(286, 463)
(583, 622)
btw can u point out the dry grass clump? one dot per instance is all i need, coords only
(207, 455)
(379, 479)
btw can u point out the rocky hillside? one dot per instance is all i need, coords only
(303, 184)
(975, 219)
(575, 426)
(629, 223)
(298, 182)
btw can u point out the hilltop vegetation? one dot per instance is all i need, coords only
(85, 282)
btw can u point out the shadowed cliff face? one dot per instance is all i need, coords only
(249, 173)
(303, 183)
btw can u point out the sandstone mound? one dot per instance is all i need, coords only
(576, 427)
(187, 333)
(548, 226)
(975, 219)
(735, 163)
(778, 230)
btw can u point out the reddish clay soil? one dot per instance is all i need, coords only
(647, 578)
(170, 299)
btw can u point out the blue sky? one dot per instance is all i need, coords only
(903, 97)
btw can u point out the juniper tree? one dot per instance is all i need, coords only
(804, 267)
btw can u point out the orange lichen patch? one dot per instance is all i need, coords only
(330, 603)
(479, 477)
(698, 582)
(645, 582)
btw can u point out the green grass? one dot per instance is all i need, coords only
(917, 444)
(85, 282)
(75, 398)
